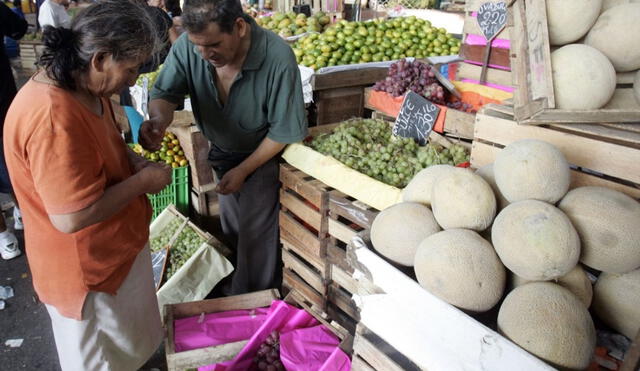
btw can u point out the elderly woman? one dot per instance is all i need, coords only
(82, 191)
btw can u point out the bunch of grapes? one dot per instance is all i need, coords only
(370, 147)
(268, 356)
(419, 78)
(161, 240)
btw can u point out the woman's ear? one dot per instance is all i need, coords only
(98, 61)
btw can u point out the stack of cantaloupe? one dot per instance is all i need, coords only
(594, 40)
(467, 234)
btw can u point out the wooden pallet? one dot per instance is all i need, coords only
(316, 224)
(475, 53)
(600, 156)
(534, 98)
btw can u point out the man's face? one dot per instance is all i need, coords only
(217, 47)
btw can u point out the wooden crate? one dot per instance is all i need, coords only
(196, 150)
(371, 353)
(534, 99)
(30, 52)
(316, 224)
(474, 54)
(600, 156)
(205, 356)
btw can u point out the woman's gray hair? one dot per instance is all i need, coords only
(121, 28)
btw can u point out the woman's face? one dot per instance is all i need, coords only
(110, 76)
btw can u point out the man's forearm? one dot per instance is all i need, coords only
(265, 152)
(161, 111)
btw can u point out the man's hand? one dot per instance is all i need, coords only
(155, 177)
(151, 133)
(232, 181)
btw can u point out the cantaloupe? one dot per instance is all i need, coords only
(461, 268)
(608, 223)
(420, 187)
(575, 281)
(535, 240)
(486, 172)
(636, 86)
(608, 4)
(583, 77)
(531, 169)
(397, 231)
(615, 34)
(616, 300)
(570, 20)
(462, 199)
(550, 322)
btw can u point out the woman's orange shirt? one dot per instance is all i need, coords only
(61, 159)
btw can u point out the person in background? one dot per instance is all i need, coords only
(54, 13)
(83, 191)
(170, 8)
(15, 27)
(246, 95)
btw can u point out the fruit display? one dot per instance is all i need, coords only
(419, 78)
(170, 152)
(185, 245)
(370, 147)
(35, 36)
(292, 24)
(150, 76)
(268, 355)
(374, 41)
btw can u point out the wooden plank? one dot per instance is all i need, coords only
(344, 279)
(301, 209)
(623, 98)
(348, 209)
(459, 124)
(484, 154)
(495, 76)
(338, 104)
(296, 230)
(291, 280)
(295, 246)
(349, 78)
(341, 231)
(195, 358)
(359, 364)
(294, 180)
(377, 359)
(607, 158)
(600, 116)
(246, 301)
(625, 77)
(539, 52)
(344, 302)
(471, 27)
(498, 56)
(606, 133)
(310, 276)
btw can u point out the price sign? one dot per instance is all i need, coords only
(416, 118)
(492, 17)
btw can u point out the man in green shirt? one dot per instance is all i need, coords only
(246, 95)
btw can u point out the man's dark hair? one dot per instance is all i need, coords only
(199, 13)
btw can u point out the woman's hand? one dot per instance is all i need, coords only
(155, 177)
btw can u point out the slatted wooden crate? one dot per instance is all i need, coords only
(30, 52)
(534, 99)
(371, 353)
(600, 156)
(500, 72)
(316, 223)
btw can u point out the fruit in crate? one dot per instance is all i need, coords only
(292, 24)
(170, 152)
(419, 78)
(184, 246)
(268, 355)
(570, 20)
(374, 41)
(616, 300)
(370, 147)
(575, 281)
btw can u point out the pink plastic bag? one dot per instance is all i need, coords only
(285, 318)
(217, 328)
(313, 348)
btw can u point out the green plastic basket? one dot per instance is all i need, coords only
(176, 193)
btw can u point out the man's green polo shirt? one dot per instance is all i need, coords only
(264, 100)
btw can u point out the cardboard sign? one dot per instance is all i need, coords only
(416, 118)
(492, 17)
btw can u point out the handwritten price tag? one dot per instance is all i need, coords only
(416, 118)
(492, 17)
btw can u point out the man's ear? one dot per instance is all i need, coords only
(242, 26)
(98, 61)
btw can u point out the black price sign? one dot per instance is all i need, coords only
(492, 17)
(416, 118)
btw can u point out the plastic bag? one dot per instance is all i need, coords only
(311, 349)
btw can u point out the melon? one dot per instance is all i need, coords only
(535, 240)
(486, 172)
(531, 169)
(570, 20)
(608, 4)
(575, 281)
(583, 77)
(462, 199)
(549, 322)
(636, 87)
(608, 223)
(616, 300)
(420, 187)
(461, 268)
(615, 34)
(397, 231)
